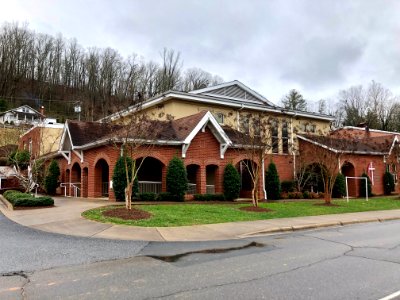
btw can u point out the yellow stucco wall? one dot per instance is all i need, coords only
(176, 108)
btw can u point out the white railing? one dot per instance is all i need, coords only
(192, 189)
(210, 189)
(150, 187)
(76, 187)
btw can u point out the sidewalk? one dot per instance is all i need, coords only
(66, 218)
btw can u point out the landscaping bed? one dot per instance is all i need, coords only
(169, 215)
(20, 200)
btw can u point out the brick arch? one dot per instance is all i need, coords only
(212, 162)
(192, 161)
(240, 158)
(104, 156)
(157, 156)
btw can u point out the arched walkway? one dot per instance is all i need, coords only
(76, 176)
(348, 170)
(193, 176)
(211, 179)
(101, 178)
(150, 175)
(245, 167)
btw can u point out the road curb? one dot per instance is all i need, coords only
(315, 226)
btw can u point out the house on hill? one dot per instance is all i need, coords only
(25, 115)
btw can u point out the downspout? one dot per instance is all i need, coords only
(263, 179)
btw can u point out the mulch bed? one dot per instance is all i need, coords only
(127, 214)
(255, 209)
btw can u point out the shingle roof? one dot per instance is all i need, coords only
(83, 133)
(353, 144)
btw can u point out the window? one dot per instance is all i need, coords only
(219, 116)
(244, 124)
(285, 137)
(275, 137)
(257, 126)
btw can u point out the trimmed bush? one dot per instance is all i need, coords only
(388, 183)
(164, 196)
(362, 185)
(231, 182)
(51, 179)
(339, 188)
(288, 186)
(272, 182)
(147, 196)
(119, 178)
(19, 199)
(177, 183)
(209, 197)
(295, 195)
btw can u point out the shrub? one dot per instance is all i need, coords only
(295, 195)
(51, 179)
(231, 182)
(17, 198)
(273, 185)
(288, 186)
(21, 158)
(209, 197)
(306, 195)
(339, 188)
(388, 183)
(164, 196)
(177, 182)
(147, 196)
(119, 178)
(362, 185)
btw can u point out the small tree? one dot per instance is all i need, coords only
(120, 180)
(177, 182)
(272, 183)
(362, 186)
(231, 182)
(51, 179)
(339, 188)
(388, 183)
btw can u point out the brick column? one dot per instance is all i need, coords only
(201, 180)
(164, 179)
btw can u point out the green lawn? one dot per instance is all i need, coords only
(166, 215)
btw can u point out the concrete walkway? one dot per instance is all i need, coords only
(65, 218)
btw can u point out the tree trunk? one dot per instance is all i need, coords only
(128, 196)
(327, 197)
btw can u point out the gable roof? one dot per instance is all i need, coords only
(234, 90)
(237, 96)
(85, 135)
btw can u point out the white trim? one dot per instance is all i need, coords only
(185, 147)
(363, 129)
(67, 155)
(395, 140)
(79, 154)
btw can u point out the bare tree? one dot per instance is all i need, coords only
(256, 140)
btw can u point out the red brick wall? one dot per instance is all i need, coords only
(204, 150)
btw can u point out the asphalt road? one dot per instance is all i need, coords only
(352, 262)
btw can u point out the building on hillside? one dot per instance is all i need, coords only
(357, 151)
(42, 140)
(202, 127)
(25, 115)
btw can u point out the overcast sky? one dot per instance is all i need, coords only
(318, 47)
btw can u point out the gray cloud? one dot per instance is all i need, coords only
(318, 47)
